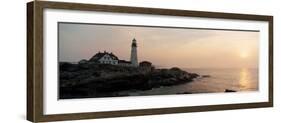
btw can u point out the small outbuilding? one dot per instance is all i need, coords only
(145, 64)
(124, 63)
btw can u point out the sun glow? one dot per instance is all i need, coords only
(244, 55)
(244, 78)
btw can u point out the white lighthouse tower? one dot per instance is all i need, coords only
(134, 55)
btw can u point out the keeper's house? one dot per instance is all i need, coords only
(104, 58)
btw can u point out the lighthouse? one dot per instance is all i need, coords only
(134, 55)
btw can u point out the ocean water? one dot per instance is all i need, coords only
(243, 79)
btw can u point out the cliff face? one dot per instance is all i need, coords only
(102, 80)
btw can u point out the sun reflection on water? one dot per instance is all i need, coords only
(244, 78)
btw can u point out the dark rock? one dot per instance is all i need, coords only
(206, 76)
(185, 93)
(101, 80)
(228, 90)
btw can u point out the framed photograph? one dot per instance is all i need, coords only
(90, 61)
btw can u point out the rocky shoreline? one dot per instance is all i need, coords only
(104, 80)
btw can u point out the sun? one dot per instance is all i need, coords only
(244, 55)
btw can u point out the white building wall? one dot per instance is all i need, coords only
(106, 59)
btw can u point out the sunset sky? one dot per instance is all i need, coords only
(164, 47)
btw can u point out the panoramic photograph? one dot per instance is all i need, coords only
(106, 60)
